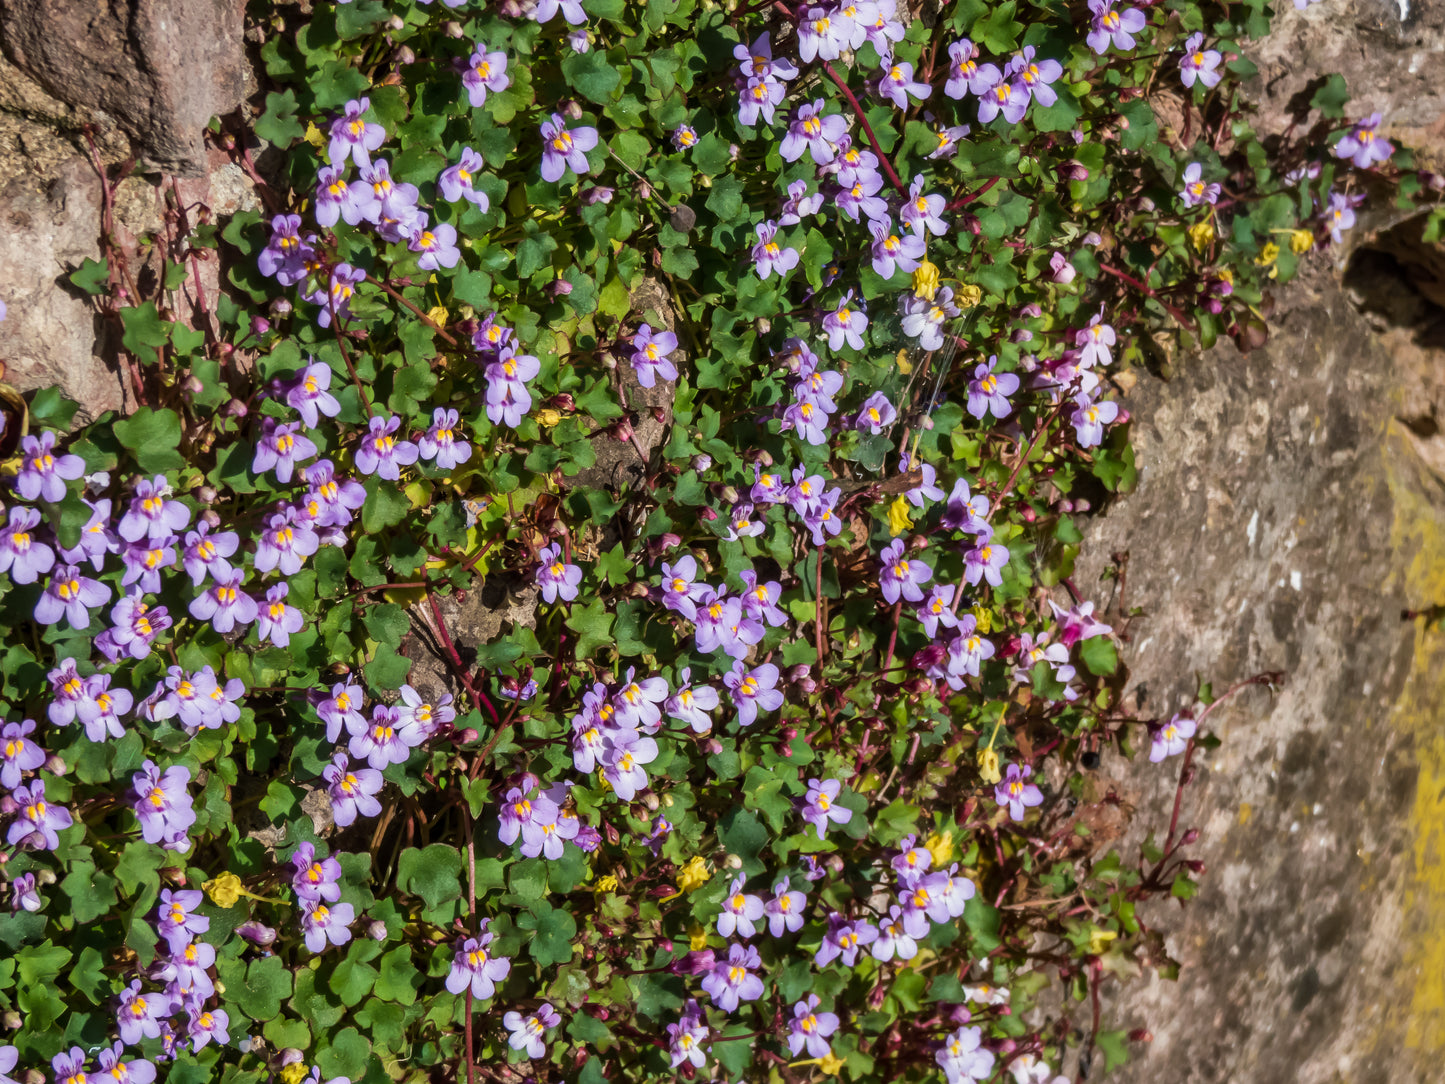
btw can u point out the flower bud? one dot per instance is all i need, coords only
(558, 288)
(694, 963)
(597, 194)
(208, 495)
(7, 804)
(1193, 865)
(1190, 836)
(701, 463)
(376, 930)
(55, 765)
(280, 307)
(733, 861)
(649, 801)
(260, 325)
(175, 875)
(453, 29)
(236, 409)
(257, 933)
(33, 1076)
(622, 431)
(404, 56)
(762, 325)
(712, 747)
(959, 1014)
(193, 386)
(1082, 505)
(395, 23)
(707, 515)
(1029, 514)
(1123, 417)
(11, 1021)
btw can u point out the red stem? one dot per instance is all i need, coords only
(867, 129)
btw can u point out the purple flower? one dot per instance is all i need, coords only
(1170, 739)
(813, 133)
(315, 879)
(820, 518)
(964, 73)
(1198, 63)
(623, 755)
(758, 62)
(176, 921)
(684, 136)
(474, 967)
(808, 420)
(310, 395)
(507, 397)
(742, 524)
(563, 149)
(162, 804)
(740, 911)
(893, 939)
(483, 72)
(820, 807)
(280, 448)
(16, 754)
(206, 554)
(1089, 419)
(1000, 96)
(1095, 340)
(455, 181)
(276, 621)
(810, 1028)
(96, 537)
(985, 561)
(438, 247)
(43, 474)
(1197, 191)
(440, 441)
(1016, 792)
(69, 1066)
(822, 33)
(322, 924)
(381, 454)
(989, 391)
(137, 1016)
(690, 704)
(650, 355)
(685, 1038)
(936, 609)
(24, 896)
(99, 708)
(206, 1026)
(732, 980)
(144, 560)
(948, 137)
(525, 816)
(785, 909)
(1362, 143)
(759, 97)
(22, 555)
(1340, 215)
(134, 627)
(843, 940)
(71, 596)
(845, 325)
(224, 604)
(761, 599)
(287, 253)
(139, 1071)
(768, 255)
(890, 253)
(877, 414)
(527, 1030)
(341, 708)
(924, 319)
(427, 717)
(353, 791)
(387, 739)
(571, 11)
(554, 577)
(923, 214)
(336, 299)
(897, 83)
(753, 690)
(152, 514)
(862, 196)
(336, 501)
(962, 1060)
(333, 201)
(799, 205)
(1114, 27)
(352, 137)
(899, 577)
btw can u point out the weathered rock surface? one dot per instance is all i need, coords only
(160, 68)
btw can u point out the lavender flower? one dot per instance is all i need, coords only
(924, 319)
(352, 137)
(893, 939)
(176, 921)
(474, 967)
(785, 909)
(438, 247)
(315, 879)
(989, 391)
(623, 757)
(207, 1026)
(352, 791)
(810, 1028)
(732, 980)
(563, 149)
(768, 256)
(961, 1058)
(287, 253)
(1113, 27)
(1340, 215)
(1095, 340)
(224, 604)
(387, 739)
(923, 214)
(1016, 792)
(1089, 419)
(1197, 191)
(691, 705)
(206, 554)
(332, 201)
(24, 896)
(650, 355)
(571, 11)
(527, 1031)
(890, 253)
(1198, 63)
(1170, 739)
(96, 538)
(899, 577)
(321, 925)
(456, 181)
(799, 205)
(381, 454)
(820, 806)
(813, 133)
(685, 1038)
(276, 620)
(753, 690)
(42, 474)
(71, 596)
(152, 514)
(897, 84)
(985, 561)
(139, 1071)
(965, 76)
(22, 555)
(845, 324)
(134, 627)
(1362, 144)
(16, 754)
(483, 72)
(162, 804)
(507, 397)
(554, 577)
(138, 1017)
(843, 939)
(877, 414)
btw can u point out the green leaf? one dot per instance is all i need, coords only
(278, 125)
(387, 669)
(352, 980)
(593, 626)
(592, 74)
(1099, 655)
(267, 984)
(399, 979)
(152, 437)
(93, 276)
(1331, 98)
(348, 1055)
(554, 930)
(434, 873)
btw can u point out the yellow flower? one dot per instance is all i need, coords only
(984, 617)
(904, 365)
(314, 136)
(925, 280)
(968, 296)
(940, 847)
(1201, 233)
(605, 884)
(1301, 241)
(225, 890)
(694, 875)
(438, 315)
(1267, 255)
(830, 1063)
(1099, 940)
(988, 766)
(898, 518)
(548, 418)
(697, 938)
(294, 1073)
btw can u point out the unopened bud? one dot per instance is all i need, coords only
(175, 875)
(707, 515)
(453, 29)
(701, 463)
(377, 930)
(733, 861)
(257, 933)
(55, 765)
(404, 56)
(1029, 514)
(11, 1021)
(1193, 865)
(1141, 1035)
(193, 386)
(622, 431)
(558, 288)
(712, 747)
(1190, 836)
(260, 325)
(572, 109)
(207, 495)
(762, 325)
(650, 802)
(959, 1014)
(395, 23)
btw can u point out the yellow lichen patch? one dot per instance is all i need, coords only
(1418, 529)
